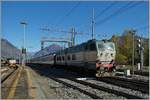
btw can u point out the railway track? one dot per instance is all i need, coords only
(3, 70)
(141, 73)
(6, 74)
(122, 93)
(136, 72)
(71, 86)
(94, 86)
(77, 88)
(127, 83)
(119, 93)
(94, 96)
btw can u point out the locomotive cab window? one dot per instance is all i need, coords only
(108, 46)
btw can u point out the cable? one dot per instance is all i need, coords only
(62, 19)
(104, 10)
(119, 11)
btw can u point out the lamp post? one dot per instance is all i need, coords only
(23, 48)
(133, 36)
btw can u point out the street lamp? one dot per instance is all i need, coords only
(133, 36)
(23, 48)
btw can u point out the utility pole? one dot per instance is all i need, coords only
(133, 34)
(42, 45)
(24, 48)
(73, 37)
(93, 22)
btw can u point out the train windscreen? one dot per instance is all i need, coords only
(106, 46)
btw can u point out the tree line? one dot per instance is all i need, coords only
(124, 48)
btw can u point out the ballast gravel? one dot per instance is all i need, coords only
(56, 90)
(51, 89)
(114, 87)
(99, 93)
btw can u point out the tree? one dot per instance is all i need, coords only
(121, 59)
(124, 48)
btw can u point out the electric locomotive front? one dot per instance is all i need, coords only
(105, 62)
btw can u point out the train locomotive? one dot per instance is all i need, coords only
(96, 55)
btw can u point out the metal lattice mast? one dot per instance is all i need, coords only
(24, 48)
(93, 22)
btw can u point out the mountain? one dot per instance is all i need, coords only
(8, 50)
(47, 50)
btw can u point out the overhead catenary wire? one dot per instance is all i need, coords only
(119, 11)
(109, 7)
(105, 9)
(100, 13)
(68, 13)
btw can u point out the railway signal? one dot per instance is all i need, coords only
(140, 50)
(138, 45)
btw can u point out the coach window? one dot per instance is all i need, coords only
(63, 58)
(57, 58)
(68, 57)
(60, 58)
(73, 57)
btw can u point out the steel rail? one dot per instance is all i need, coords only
(3, 79)
(142, 73)
(74, 87)
(119, 93)
(126, 84)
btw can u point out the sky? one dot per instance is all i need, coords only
(110, 18)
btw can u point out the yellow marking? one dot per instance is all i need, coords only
(13, 88)
(31, 90)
